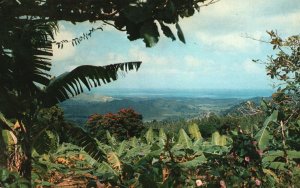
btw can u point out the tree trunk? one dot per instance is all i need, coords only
(26, 164)
(3, 156)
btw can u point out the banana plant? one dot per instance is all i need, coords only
(26, 85)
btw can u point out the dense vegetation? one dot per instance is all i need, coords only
(26, 87)
(251, 145)
(258, 146)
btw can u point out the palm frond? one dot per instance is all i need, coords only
(71, 83)
(84, 140)
(26, 53)
(46, 142)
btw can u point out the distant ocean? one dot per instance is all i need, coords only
(177, 93)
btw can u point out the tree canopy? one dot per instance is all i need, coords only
(139, 18)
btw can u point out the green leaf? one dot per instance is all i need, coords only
(162, 136)
(5, 124)
(264, 105)
(271, 156)
(292, 154)
(277, 166)
(194, 131)
(46, 142)
(8, 134)
(193, 164)
(263, 136)
(133, 142)
(149, 32)
(46, 184)
(146, 181)
(4, 174)
(121, 148)
(140, 150)
(114, 161)
(167, 31)
(223, 140)
(83, 139)
(137, 14)
(180, 33)
(71, 83)
(106, 172)
(149, 136)
(197, 146)
(184, 140)
(215, 138)
(271, 173)
(111, 139)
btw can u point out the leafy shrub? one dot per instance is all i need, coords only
(160, 160)
(12, 179)
(282, 135)
(209, 125)
(245, 152)
(123, 125)
(169, 125)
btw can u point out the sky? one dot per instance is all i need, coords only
(217, 53)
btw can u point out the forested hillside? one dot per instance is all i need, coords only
(152, 109)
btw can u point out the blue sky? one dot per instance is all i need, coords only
(217, 53)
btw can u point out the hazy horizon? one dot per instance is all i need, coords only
(216, 93)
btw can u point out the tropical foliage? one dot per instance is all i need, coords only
(38, 144)
(27, 35)
(27, 87)
(12, 179)
(162, 160)
(257, 147)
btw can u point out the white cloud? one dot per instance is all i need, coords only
(148, 58)
(203, 67)
(285, 24)
(223, 24)
(114, 58)
(139, 54)
(192, 61)
(227, 42)
(252, 68)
